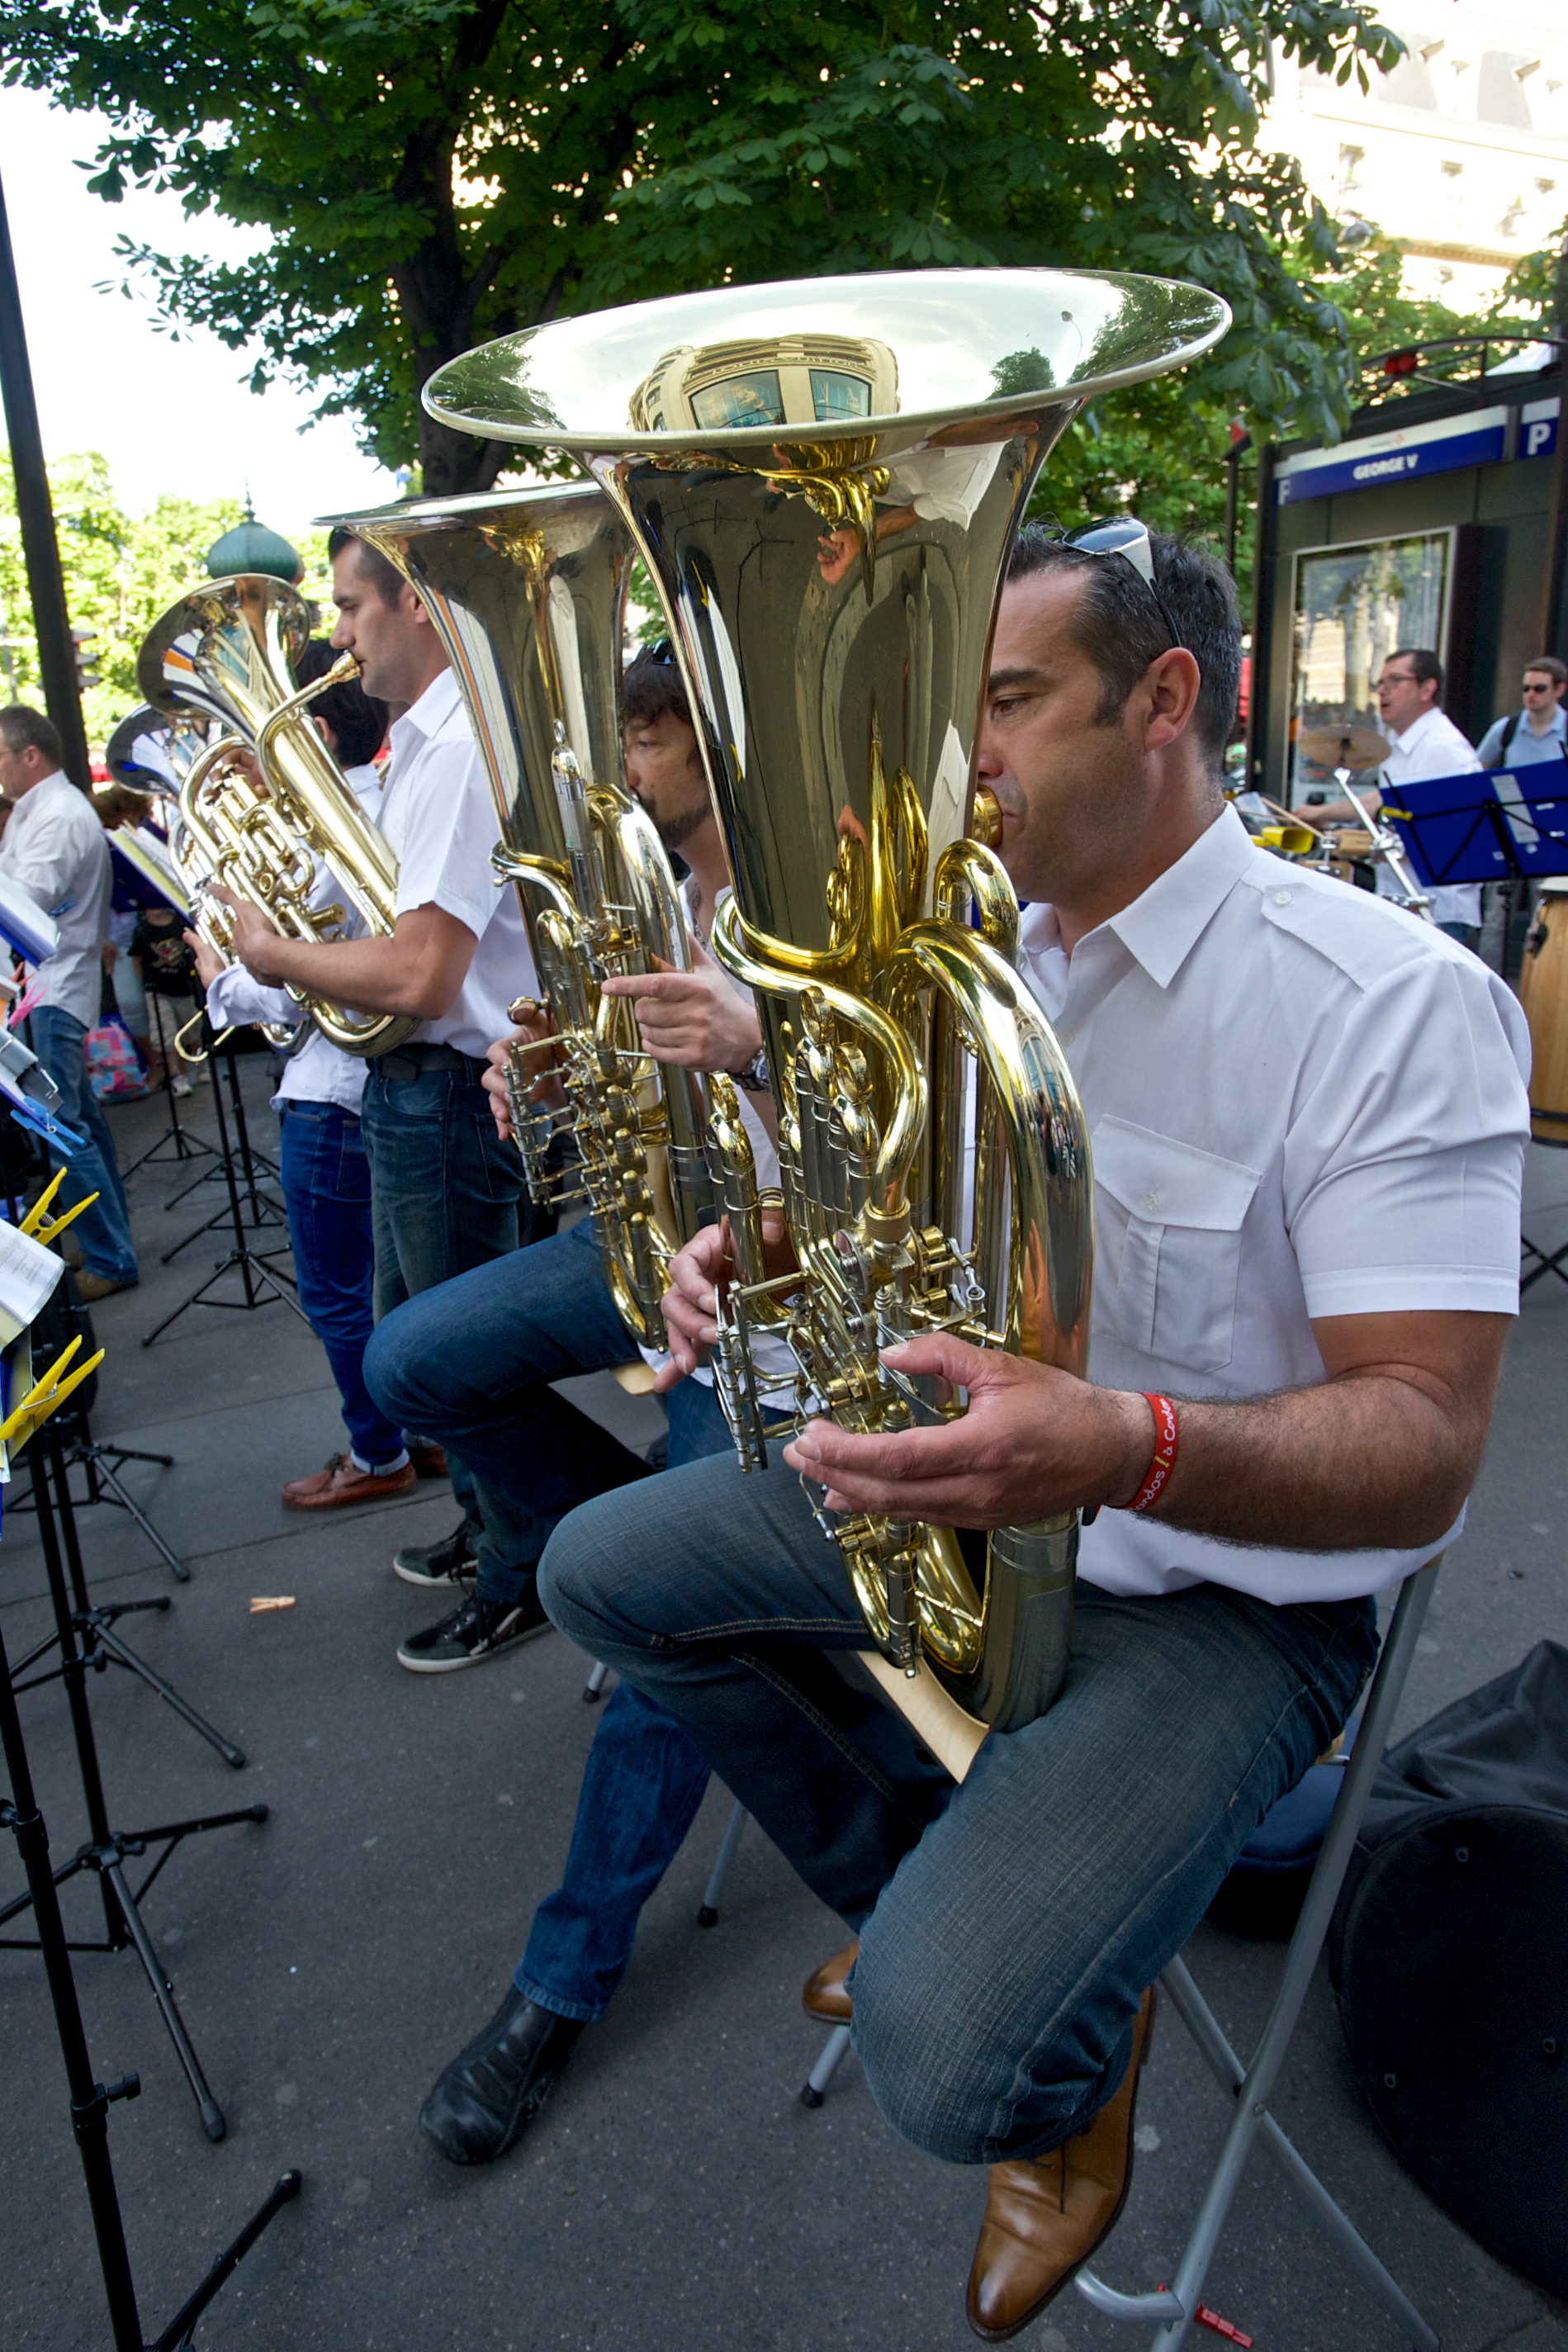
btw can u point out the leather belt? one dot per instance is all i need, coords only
(406, 1063)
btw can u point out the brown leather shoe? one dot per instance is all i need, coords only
(429, 1459)
(822, 1994)
(340, 1483)
(1046, 2215)
(91, 1287)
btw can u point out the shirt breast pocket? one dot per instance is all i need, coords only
(1175, 1290)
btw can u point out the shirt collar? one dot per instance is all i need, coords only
(1415, 731)
(1162, 927)
(434, 708)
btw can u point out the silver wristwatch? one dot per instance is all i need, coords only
(754, 1077)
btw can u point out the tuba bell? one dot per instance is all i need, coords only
(824, 479)
(528, 589)
(224, 651)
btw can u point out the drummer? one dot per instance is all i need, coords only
(1423, 741)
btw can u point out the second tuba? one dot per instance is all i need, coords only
(528, 589)
(225, 651)
(824, 479)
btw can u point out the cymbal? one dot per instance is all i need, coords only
(1343, 747)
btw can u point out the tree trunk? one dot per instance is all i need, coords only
(453, 462)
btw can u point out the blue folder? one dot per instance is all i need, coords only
(1485, 827)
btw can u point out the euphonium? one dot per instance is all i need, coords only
(824, 479)
(225, 650)
(528, 589)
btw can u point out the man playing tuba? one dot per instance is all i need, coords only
(1308, 1118)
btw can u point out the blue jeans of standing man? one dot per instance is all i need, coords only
(471, 1363)
(1009, 1926)
(326, 1191)
(59, 1040)
(447, 1194)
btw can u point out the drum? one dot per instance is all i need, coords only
(1544, 993)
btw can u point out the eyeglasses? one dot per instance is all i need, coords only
(1126, 536)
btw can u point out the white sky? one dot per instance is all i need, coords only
(167, 415)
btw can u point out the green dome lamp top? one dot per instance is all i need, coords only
(251, 547)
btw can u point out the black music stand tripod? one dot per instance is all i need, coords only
(107, 1849)
(262, 1283)
(101, 1646)
(186, 1147)
(91, 2100)
(257, 1168)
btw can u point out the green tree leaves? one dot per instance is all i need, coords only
(433, 173)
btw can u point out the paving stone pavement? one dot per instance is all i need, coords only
(675, 2193)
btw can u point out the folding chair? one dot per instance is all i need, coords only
(1175, 2307)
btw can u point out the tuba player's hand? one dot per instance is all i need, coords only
(691, 1302)
(1034, 1441)
(257, 936)
(697, 1019)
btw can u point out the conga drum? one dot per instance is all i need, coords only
(1544, 993)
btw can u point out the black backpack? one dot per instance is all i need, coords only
(1449, 1956)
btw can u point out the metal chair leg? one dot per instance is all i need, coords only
(1174, 2306)
(828, 2059)
(708, 1916)
(595, 1683)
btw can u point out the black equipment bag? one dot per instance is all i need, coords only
(1449, 1956)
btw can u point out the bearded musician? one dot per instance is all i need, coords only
(1308, 1115)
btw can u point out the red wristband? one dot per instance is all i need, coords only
(1163, 1463)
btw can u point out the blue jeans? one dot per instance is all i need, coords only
(447, 1194)
(471, 1363)
(104, 1230)
(1007, 1927)
(326, 1191)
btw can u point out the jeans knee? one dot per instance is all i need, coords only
(916, 2070)
(391, 1374)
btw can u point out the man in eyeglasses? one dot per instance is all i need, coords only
(1539, 731)
(1308, 1117)
(1423, 741)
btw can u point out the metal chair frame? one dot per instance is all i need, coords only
(1173, 2308)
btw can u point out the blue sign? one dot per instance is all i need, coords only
(1479, 438)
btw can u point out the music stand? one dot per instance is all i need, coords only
(1502, 825)
(263, 1212)
(186, 1147)
(91, 2100)
(106, 1851)
(261, 1283)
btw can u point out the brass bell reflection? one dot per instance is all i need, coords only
(804, 379)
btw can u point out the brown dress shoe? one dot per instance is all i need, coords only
(429, 1459)
(822, 1994)
(340, 1483)
(1045, 2215)
(91, 1287)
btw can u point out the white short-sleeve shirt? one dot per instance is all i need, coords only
(1301, 1103)
(319, 1071)
(439, 817)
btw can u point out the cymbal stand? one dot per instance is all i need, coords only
(261, 1282)
(101, 1645)
(89, 2099)
(106, 1851)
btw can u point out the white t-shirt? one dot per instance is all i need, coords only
(54, 849)
(319, 1071)
(1432, 747)
(439, 816)
(1299, 1103)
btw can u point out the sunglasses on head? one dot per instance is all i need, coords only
(1123, 535)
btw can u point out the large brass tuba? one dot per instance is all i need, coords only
(528, 589)
(225, 651)
(824, 479)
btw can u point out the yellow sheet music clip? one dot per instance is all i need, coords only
(33, 1222)
(46, 1396)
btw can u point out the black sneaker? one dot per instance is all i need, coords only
(476, 1630)
(453, 1560)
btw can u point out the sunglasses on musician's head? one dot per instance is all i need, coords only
(1126, 536)
(664, 650)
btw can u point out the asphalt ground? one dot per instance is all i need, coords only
(675, 2193)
